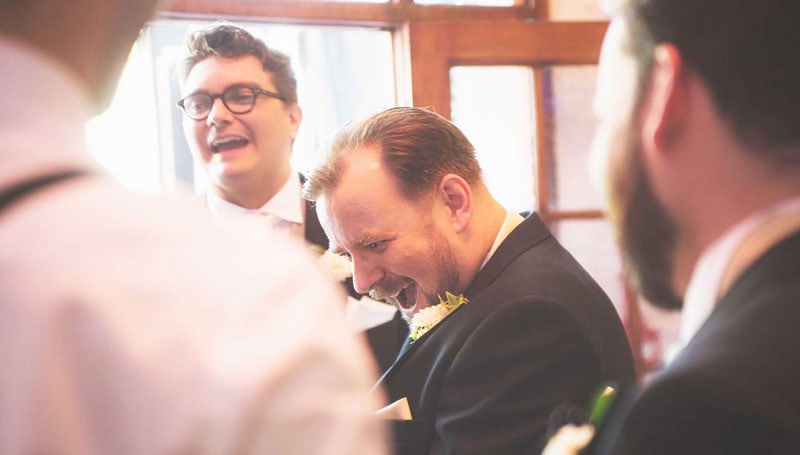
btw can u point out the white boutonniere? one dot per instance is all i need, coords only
(337, 266)
(427, 318)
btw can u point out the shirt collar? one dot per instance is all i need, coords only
(704, 286)
(511, 221)
(286, 204)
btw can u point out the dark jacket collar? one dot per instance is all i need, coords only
(530, 232)
(780, 264)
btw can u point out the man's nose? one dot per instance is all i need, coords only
(365, 275)
(218, 114)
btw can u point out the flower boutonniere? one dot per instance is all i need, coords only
(337, 266)
(427, 318)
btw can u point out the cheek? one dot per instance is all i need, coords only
(195, 133)
(271, 127)
(258, 128)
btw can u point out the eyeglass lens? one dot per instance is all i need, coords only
(239, 100)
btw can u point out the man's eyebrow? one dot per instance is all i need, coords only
(362, 242)
(366, 240)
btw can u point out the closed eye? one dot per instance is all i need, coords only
(369, 245)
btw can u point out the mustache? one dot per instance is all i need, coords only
(388, 288)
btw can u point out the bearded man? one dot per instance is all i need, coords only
(699, 144)
(523, 327)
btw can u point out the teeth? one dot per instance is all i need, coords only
(225, 142)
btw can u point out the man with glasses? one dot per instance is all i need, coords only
(241, 119)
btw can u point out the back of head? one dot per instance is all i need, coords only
(744, 51)
(94, 46)
(226, 40)
(418, 146)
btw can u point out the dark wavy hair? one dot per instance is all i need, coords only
(230, 41)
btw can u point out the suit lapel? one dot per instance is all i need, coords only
(526, 235)
(523, 237)
(407, 345)
(780, 264)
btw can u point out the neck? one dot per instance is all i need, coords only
(486, 222)
(738, 192)
(253, 193)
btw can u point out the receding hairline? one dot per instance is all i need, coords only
(327, 178)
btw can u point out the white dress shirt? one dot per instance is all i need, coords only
(284, 211)
(132, 324)
(729, 256)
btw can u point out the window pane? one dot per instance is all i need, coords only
(569, 91)
(125, 138)
(493, 105)
(593, 245)
(342, 73)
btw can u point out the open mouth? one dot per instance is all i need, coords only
(228, 143)
(407, 297)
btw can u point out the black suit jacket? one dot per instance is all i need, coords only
(537, 331)
(384, 340)
(735, 388)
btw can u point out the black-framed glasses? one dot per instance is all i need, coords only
(239, 99)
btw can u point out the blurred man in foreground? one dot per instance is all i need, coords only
(128, 325)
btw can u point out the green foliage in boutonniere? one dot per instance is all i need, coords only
(572, 438)
(427, 318)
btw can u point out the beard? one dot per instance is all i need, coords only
(447, 273)
(447, 269)
(645, 231)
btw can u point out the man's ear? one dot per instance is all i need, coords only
(295, 118)
(456, 195)
(664, 112)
